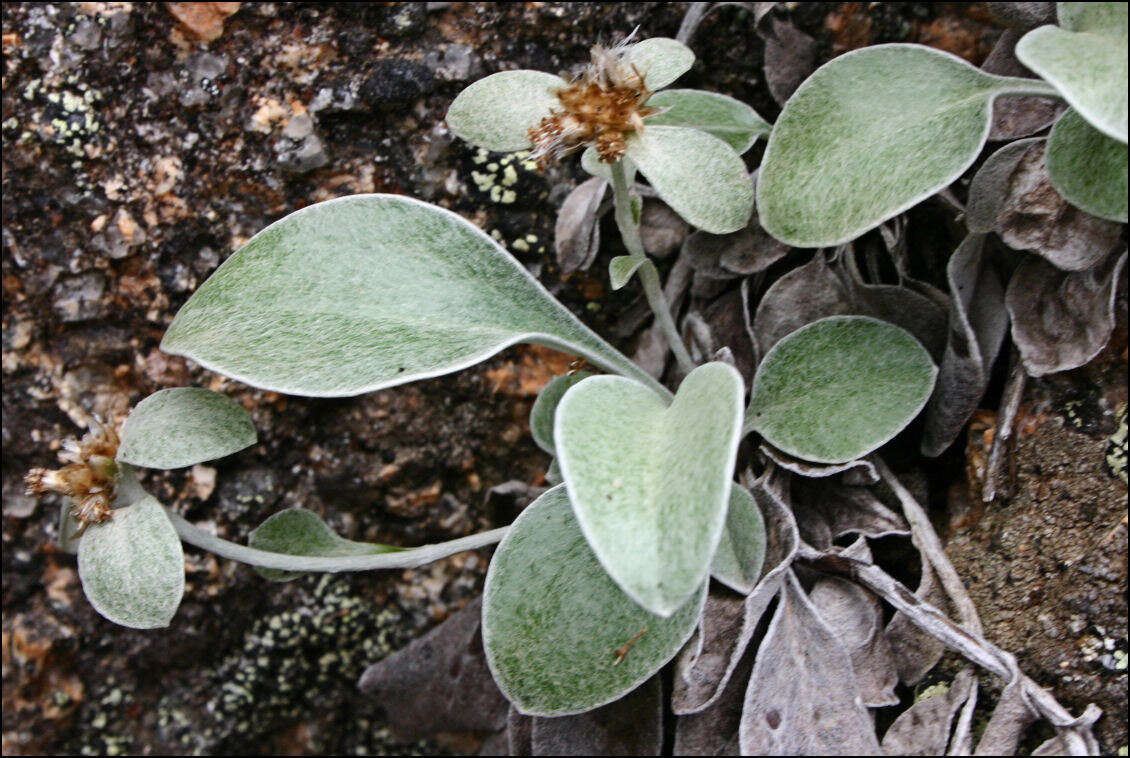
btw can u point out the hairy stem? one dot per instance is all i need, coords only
(649, 277)
(409, 558)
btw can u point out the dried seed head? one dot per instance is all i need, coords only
(602, 108)
(88, 476)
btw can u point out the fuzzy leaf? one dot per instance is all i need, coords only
(183, 426)
(870, 134)
(497, 112)
(661, 60)
(297, 531)
(132, 566)
(840, 387)
(1086, 61)
(590, 162)
(1088, 168)
(741, 552)
(553, 620)
(650, 481)
(545, 407)
(370, 291)
(621, 268)
(697, 174)
(577, 230)
(730, 120)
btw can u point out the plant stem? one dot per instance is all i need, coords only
(407, 558)
(1013, 85)
(649, 277)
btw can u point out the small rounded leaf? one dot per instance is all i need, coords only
(868, 135)
(621, 268)
(183, 426)
(838, 388)
(497, 112)
(132, 566)
(1086, 61)
(545, 407)
(1088, 168)
(560, 636)
(297, 531)
(741, 552)
(730, 120)
(697, 174)
(661, 60)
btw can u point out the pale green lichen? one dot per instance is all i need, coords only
(1116, 447)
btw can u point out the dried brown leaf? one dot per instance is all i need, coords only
(632, 725)
(577, 231)
(1015, 117)
(924, 728)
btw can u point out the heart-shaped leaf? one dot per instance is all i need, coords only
(1087, 167)
(132, 566)
(868, 135)
(498, 111)
(183, 426)
(1085, 60)
(661, 60)
(545, 408)
(297, 531)
(840, 387)
(650, 480)
(369, 291)
(730, 120)
(741, 551)
(697, 174)
(560, 637)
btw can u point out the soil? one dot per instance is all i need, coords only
(137, 156)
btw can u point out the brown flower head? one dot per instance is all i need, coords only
(88, 476)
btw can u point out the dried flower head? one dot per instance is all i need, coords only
(88, 476)
(602, 108)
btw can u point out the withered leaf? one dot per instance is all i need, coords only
(519, 729)
(1006, 726)
(801, 296)
(915, 651)
(662, 230)
(1023, 16)
(743, 252)
(1013, 116)
(978, 324)
(714, 731)
(802, 697)
(577, 231)
(864, 470)
(446, 673)
(827, 508)
(990, 186)
(1061, 320)
(790, 56)
(1036, 218)
(632, 725)
(727, 324)
(924, 728)
(709, 659)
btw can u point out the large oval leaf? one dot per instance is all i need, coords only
(661, 60)
(497, 112)
(730, 120)
(183, 426)
(1085, 60)
(132, 566)
(840, 387)
(1088, 168)
(868, 135)
(554, 622)
(369, 291)
(741, 552)
(697, 174)
(297, 531)
(650, 481)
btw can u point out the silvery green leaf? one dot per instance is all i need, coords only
(802, 697)
(730, 120)
(545, 407)
(1088, 168)
(650, 480)
(871, 133)
(840, 387)
(370, 291)
(576, 234)
(132, 566)
(590, 162)
(183, 426)
(498, 111)
(621, 268)
(661, 60)
(1085, 59)
(697, 174)
(557, 629)
(297, 531)
(741, 551)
